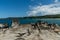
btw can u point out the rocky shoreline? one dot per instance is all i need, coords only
(34, 31)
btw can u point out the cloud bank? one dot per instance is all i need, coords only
(50, 9)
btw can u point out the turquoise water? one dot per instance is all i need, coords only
(8, 21)
(26, 21)
(57, 21)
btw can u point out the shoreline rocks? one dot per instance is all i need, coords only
(27, 32)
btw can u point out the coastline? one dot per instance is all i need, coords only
(26, 32)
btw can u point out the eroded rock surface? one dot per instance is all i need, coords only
(21, 33)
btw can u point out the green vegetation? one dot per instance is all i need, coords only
(39, 17)
(33, 17)
(46, 16)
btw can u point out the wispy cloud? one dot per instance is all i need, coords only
(45, 9)
(56, 1)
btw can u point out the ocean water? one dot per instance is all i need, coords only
(8, 21)
(56, 21)
(26, 21)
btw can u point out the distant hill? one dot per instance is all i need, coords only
(52, 16)
(46, 16)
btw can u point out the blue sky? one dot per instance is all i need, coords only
(13, 8)
(20, 8)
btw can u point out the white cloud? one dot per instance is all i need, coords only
(45, 9)
(56, 1)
